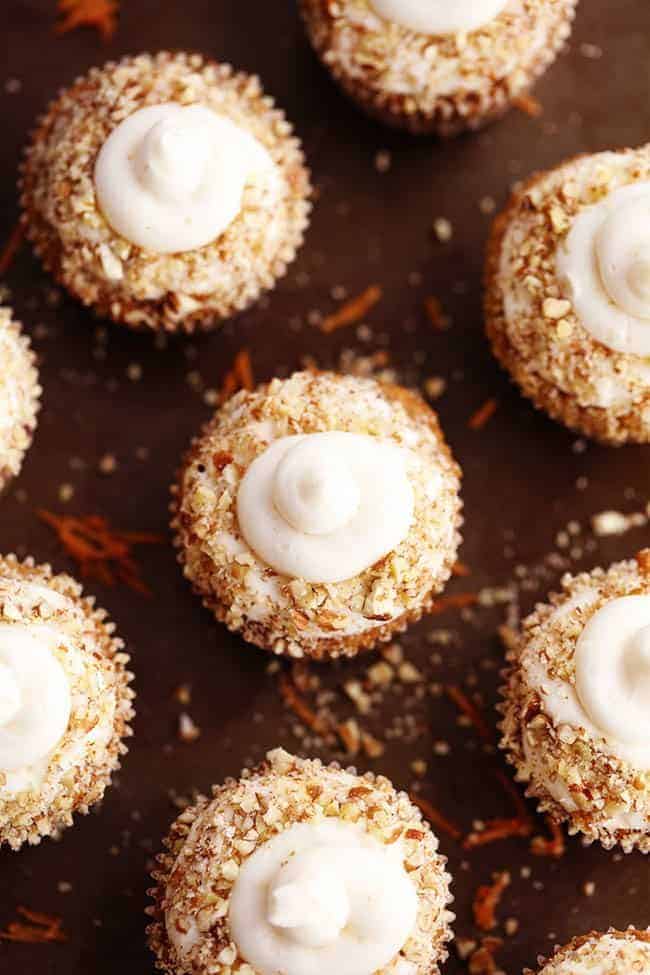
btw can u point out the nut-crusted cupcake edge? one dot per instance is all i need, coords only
(90, 781)
(564, 952)
(353, 804)
(453, 113)
(20, 435)
(179, 308)
(597, 423)
(519, 702)
(328, 648)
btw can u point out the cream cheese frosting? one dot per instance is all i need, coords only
(35, 700)
(439, 16)
(612, 686)
(604, 265)
(324, 507)
(170, 178)
(321, 898)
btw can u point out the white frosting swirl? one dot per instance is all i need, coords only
(604, 263)
(325, 506)
(171, 178)
(35, 700)
(322, 898)
(612, 663)
(439, 16)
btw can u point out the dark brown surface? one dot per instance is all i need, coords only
(520, 472)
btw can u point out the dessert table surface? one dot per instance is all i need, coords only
(410, 216)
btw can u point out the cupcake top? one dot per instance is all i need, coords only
(64, 701)
(19, 396)
(580, 687)
(319, 506)
(612, 953)
(165, 180)
(434, 53)
(317, 869)
(573, 280)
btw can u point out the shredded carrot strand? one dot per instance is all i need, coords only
(11, 248)
(458, 600)
(471, 710)
(487, 899)
(436, 818)
(553, 846)
(435, 314)
(239, 376)
(40, 928)
(482, 416)
(299, 706)
(352, 311)
(528, 104)
(100, 14)
(497, 829)
(460, 570)
(101, 552)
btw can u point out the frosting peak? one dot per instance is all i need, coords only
(326, 506)
(309, 901)
(613, 670)
(439, 16)
(321, 898)
(170, 178)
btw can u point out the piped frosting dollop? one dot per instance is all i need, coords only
(324, 507)
(171, 178)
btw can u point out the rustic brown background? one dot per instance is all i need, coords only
(520, 472)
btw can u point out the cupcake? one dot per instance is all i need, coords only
(166, 191)
(568, 293)
(319, 514)
(65, 702)
(434, 65)
(19, 396)
(301, 868)
(576, 718)
(613, 952)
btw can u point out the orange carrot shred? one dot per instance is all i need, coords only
(458, 600)
(436, 818)
(460, 570)
(528, 104)
(11, 248)
(482, 961)
(470, 709)
(435, 313)
(487, 899)
(101, 552)
(484, 413)
(39, 929)
(239, 376)
(498, 829)
(100, 14)
(299, 706)
(553, 846)
(516, 796)
(352, 311)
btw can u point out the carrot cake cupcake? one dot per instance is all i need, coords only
(65, 702)
(576, 719)
(568, 293)
(435, 65)
(612, 953)
(305, 869)
(165, 191)
(318, 514)
(19, 396)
